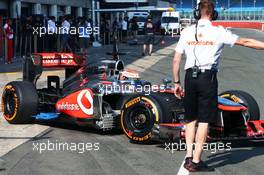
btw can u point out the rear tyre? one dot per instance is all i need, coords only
(244, 99)
(19, 102)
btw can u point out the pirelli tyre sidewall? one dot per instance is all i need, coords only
(139, 116)
(245, 99)
(19, 102)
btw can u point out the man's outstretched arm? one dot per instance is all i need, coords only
(251, 43)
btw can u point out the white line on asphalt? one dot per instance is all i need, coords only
(182, 170)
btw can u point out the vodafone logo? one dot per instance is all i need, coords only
(78, 104)
(85, 102)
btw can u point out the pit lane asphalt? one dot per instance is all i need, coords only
(241, 68)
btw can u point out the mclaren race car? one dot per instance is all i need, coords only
(105, 96)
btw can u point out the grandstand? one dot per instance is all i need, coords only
(228, 9)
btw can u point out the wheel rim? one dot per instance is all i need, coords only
(140, 118)
(10, 103)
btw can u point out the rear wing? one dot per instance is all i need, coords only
(58, 60)
(34, 64)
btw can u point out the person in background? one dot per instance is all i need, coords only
(51, 35)
(29, 35)
(73, 37)
(89, 31)
(102, 31)
(115, 25)
(134, 28)
(84, 35)
(124, 30)
(149, 37)
(9, 35)
(107, 31)
(65, 29)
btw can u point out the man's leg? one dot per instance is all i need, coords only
(144, 49)
(190, 105)
(10, 51)
(189, 136)
(200, 139)
(150, 49)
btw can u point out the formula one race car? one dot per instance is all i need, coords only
(103, 95)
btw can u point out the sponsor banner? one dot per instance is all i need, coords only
(57, 59)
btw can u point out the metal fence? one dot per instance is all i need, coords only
(233, 14)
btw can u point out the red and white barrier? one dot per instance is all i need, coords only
(240, 24)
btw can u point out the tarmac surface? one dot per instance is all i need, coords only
(111, 153)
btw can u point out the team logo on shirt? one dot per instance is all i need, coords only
(200, 43)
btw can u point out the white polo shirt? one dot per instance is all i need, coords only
(124, 25)
(207, 50)
(51, 26)
(65, 27)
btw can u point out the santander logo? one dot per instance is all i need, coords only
(67, 61)
(85, 102)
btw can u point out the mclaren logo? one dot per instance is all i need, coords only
(85, 102)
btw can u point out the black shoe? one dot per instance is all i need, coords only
(187, 163)
(149, 54)
(143, 54)
(199, 167)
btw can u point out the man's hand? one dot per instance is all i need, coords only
(178, 91)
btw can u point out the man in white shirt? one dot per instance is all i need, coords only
(202, 44)
(51, 34)
(51, 25)
(124, 29)
(65, 29)
(84, 34)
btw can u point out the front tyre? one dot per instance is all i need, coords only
(141, 115)
(246, 100)
(19, 102)
(138, 118)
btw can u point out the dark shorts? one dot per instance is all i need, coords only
(84, 42)
(64, 39)
(124, 33)
(200, 99)
(149, 39)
